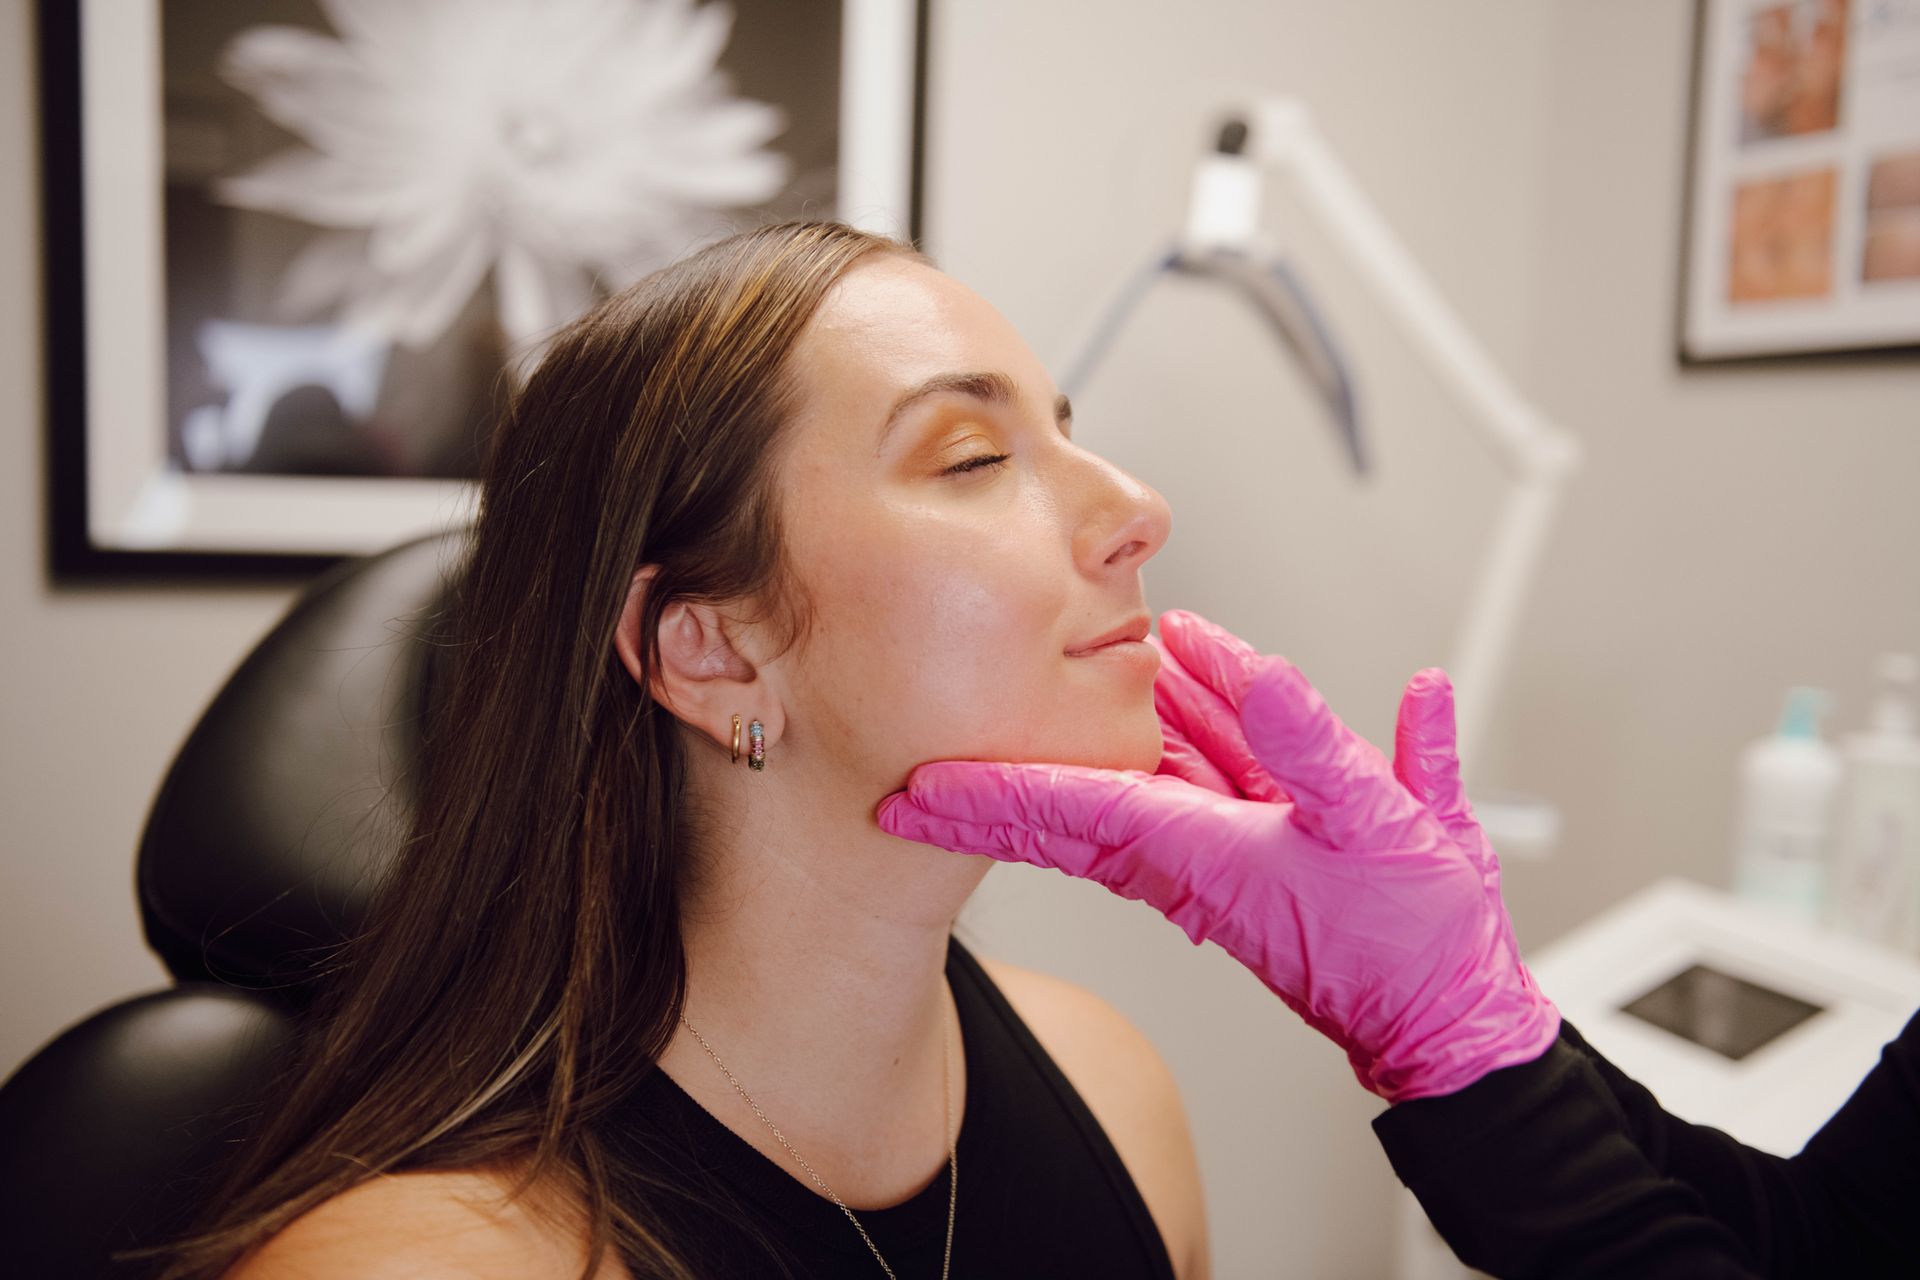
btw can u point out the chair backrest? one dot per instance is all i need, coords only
(292, 794)
(278, 816)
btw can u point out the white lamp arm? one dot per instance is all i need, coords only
(1538, 454)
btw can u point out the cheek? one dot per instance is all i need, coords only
(937, 639)
(947, 642)
(985, 628)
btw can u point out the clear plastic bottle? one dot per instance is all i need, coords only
(1787, 785)
(1874, 869)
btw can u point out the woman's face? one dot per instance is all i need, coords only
(958, 550)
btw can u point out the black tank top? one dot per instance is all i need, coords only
(1042, 1191)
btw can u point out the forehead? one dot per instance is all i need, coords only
(889, 324)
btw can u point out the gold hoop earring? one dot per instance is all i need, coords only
(736, 740)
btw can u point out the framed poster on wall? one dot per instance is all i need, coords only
(1802, 230)
(298, 252)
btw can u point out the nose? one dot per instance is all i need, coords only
(1124, 522)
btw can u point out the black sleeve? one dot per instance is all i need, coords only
(1565, 1166)
(1533, 1170)
(1848, 1204)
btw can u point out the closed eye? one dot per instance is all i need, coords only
(974, 464)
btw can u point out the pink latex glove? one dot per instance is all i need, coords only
(1364, 895)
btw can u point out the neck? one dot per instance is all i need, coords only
(816, 951)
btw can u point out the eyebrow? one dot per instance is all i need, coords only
(989, 387)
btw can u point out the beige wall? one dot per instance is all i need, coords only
(1734, 531)
(99, 685)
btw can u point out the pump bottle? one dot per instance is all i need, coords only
(1874, 862)
(1787, 785)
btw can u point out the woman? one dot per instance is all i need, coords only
(760, 534)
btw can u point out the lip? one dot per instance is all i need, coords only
(1132, 631)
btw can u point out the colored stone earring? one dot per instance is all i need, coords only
(757, 750)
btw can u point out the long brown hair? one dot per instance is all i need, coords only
(522, 968)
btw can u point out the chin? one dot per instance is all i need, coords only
(1115, 741)
(1141, 749)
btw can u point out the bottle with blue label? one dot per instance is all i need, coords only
(1787, 785)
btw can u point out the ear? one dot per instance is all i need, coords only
(701, 678)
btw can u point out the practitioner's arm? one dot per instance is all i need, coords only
(1368, 899)
(1566, 1166)
(1845, 1205)
(1842, 1206)
(1534, 1170)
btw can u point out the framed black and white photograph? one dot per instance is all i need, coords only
(1802, 230)
(300, 251)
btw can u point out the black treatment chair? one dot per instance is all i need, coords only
(277, 817)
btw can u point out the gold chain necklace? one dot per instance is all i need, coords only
(953, 1158)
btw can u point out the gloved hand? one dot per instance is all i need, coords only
(1364, 895)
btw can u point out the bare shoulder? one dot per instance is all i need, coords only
(408, 1226)
(1131, 1092)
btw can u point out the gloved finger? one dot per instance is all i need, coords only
(1344, 790)
(1211, 724)
(1426, 757)
(1178, 756)
(1004, 842)
(1232, 668)
(1181, 759)
(1216, 657)
(1098, 813)
(1107, 807)
(1149, 837)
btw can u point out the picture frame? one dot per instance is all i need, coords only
(1801, 226)
(186, 441)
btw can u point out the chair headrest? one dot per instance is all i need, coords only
(293, 792)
